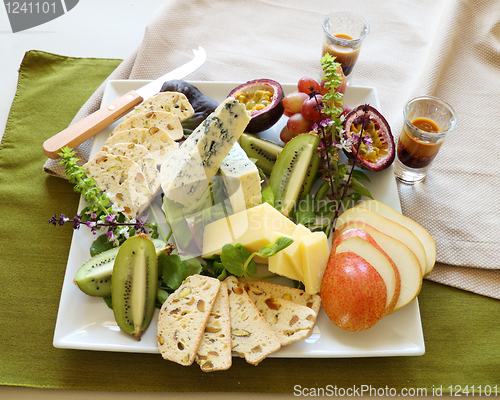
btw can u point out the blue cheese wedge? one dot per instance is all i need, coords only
(185, 176)
(242, 180)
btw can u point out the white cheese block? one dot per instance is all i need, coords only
(242, 183)
(156, 140)
(186, 175)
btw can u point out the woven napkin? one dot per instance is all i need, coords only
(446, 48)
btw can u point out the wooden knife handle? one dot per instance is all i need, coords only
(88, 127)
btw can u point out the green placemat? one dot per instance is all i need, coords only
(461, 329)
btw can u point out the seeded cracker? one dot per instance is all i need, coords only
(289, 321)
(251, 336)
(183, 317)
(298, 296)
(214, 353)
(162, 119)
(174, 102)
(156, 140)
(122, 180)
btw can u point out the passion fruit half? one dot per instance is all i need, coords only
(378, 152)
(263, 98)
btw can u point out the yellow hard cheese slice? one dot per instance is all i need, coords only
(292, 252)
(253, 228)
(314, 251)
(279, 263)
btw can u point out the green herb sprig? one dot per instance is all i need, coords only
(342, 182)
(99, 216)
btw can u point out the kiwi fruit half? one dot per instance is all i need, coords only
(94, 276)
(295, 171)
(134, 284)
(264, 151)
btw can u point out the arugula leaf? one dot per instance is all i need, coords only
(234, 258)
(304, 214)
(359, 188)
(272, 248)
(174, 269)
(268, 195)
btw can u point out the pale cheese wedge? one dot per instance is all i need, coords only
(280, 264)
(253, 228)
(314, 251)
(293, 253)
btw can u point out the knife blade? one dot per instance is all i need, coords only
(89, 126)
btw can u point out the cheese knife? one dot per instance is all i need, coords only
(88, 127)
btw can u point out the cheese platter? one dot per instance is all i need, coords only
(85, 322)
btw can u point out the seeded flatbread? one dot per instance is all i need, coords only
(162, 119)
(155, 139)
(214, 353)
(298, 296)
(174, 102)
(122, 180)
(142, 156)
(183, 317)
(290, 322)
(251, 336)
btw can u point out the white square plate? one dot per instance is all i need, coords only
(84, 322)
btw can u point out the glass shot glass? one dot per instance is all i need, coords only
(427, 122)
(344, 32)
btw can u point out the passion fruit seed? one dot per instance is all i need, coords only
(264, 99)
(380, 152)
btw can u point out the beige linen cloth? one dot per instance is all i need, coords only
(445, 48)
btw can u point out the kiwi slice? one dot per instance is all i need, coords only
(94, 276)
(295, 171)
(134, 284)
(264, 151)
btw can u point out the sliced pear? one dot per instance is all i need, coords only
(367, 248)
(406, 262)
(419, 231)
(387, 226)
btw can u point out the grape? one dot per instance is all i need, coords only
(298, 124)
(310, 108)
(293, 101)
(305, 84)
(286, 135)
